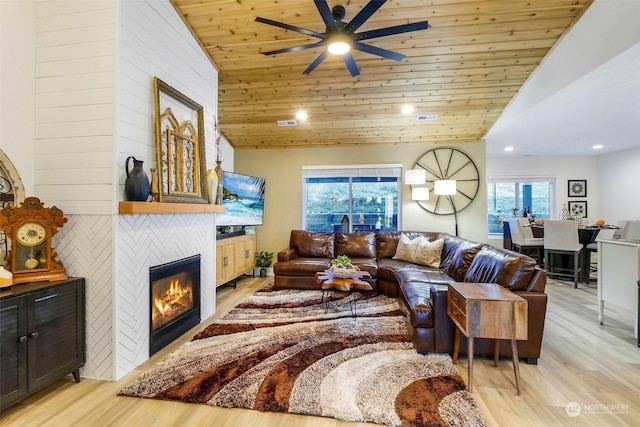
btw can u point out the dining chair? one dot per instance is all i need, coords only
(523, 240)
(561, 238)
(631, 230)
(603, 234)
(621, 226)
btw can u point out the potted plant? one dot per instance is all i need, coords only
(263, 261)
(342, 267)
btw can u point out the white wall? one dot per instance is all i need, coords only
(618, 193)
(17, 86)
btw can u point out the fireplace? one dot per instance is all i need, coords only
(174, 297)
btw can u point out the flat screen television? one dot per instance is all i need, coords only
(243, 200)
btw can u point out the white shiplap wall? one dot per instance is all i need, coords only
(95, 63)
(75, 112)
(74, 144)
(153, 41)
(162, 47)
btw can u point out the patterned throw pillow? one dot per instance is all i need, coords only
(429, 253)
(407, 248)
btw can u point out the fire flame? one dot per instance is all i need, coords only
(174, 294)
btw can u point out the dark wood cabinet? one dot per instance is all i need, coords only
(42, 336)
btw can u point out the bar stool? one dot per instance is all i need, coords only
(522, 237)
(604, 234)
(631, 230)
(561, 238)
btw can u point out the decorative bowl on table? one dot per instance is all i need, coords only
(342, 272)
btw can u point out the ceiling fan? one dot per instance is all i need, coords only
(340, 37)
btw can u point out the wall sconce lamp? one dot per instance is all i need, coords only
(415, 177)
(447, 187)
(419, 193)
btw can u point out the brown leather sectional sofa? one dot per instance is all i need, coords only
(422, 290)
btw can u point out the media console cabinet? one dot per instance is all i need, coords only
(235, 256)
(42, 336)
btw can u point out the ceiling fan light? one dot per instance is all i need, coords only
(339, 44)
(338, 48)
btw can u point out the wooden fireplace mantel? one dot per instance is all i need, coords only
(127, 208)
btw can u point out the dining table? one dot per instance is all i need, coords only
(586, 234)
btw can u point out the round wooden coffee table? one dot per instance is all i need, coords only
(329, 282)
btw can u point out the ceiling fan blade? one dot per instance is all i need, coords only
(364, 14)
(378, 51)
(325, 12)
(316, 62)
(388, 31)
(291, 27)
(294, 48)
(351, 64)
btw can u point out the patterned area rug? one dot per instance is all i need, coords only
(287, 351)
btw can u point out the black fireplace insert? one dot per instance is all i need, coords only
(174, 297)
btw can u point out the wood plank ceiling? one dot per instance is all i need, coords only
(465, 69)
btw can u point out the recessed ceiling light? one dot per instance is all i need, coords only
(597, 147)
(301, 115)
(508, 148)
(407, 109)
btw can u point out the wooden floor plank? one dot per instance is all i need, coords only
(597, 367)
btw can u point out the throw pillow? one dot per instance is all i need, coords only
(429, 253)
(407, 248)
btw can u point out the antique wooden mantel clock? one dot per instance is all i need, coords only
(30, 228)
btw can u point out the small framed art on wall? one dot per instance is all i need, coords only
(577, 188)
(578, 209)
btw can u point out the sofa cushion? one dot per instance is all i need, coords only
(425, 276)
(448, 250)
(406, 250)
(462, 258)
(366, 264)
(387, 241)
(301, 266)
(311, 244)
(506, 268)
(386, 244)
(428, 253)
(356, 245)
(387, 268)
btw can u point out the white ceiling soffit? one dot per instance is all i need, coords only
(585, 92)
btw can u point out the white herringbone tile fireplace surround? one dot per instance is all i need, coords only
(114, 254)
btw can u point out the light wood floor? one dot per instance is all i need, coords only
(597, 367)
